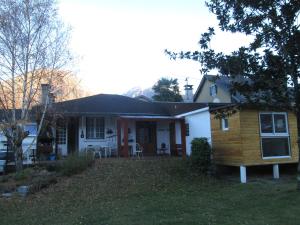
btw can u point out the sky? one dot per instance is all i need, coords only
(119, 44)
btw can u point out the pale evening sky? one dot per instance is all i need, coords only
(120, 43)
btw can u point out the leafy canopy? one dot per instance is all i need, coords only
(167, 90)
(267, 71)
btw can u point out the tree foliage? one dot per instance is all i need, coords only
(267, 71)
(167, 90)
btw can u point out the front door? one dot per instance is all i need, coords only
(173, 139)
(72, 135)
(146, 136)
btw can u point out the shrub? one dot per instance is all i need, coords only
(23, 174)
(41, 182)
(75, 164)
(200, 159)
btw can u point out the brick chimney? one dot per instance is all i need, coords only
(47, 94)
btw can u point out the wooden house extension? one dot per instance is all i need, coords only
(252, 137)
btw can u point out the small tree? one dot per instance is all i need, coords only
(33, 45)
(167, 90)
(201, 155)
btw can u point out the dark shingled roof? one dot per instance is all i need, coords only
(122, 105)
(105, 104)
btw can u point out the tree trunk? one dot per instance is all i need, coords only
(19, 158)
(298, 141)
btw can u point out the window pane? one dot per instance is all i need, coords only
(275, 147)
(280, 123)
(61, 135)
(31, 128)
(100, 128)
(89, 127)
(187, 127)
(266, 123)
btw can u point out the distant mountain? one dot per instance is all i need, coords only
(137, 91)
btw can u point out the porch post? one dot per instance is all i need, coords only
(125, 126)
(243, 174)
(183, 137)
(119, 136)
(276, 171)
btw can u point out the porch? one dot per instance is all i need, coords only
(122, 136)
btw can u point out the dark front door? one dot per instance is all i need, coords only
(72, 135)
(146, 137)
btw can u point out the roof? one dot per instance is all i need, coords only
(121, 105)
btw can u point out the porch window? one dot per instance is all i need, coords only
(61, 135)
(95, 128)
(187, 129)
(275, 140)
(31, 128)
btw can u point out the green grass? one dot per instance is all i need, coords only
(155, 191)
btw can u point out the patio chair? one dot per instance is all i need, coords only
(139, 150)
(163, 149)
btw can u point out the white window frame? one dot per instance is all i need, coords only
(95, 128)
(211, 88)
(62, 134)
(275, 134)
(224, 128)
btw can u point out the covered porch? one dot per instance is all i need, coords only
(155, 135)
(125, 136)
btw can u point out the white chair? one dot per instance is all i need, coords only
(139, 150)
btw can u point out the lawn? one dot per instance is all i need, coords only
(155, 191)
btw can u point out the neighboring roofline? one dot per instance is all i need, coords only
(192, 112)
(199, 88)
(149, 117)
(225, 106)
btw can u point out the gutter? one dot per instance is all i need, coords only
(192, 112)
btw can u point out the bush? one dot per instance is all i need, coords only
(75, 164)
(41, 182)
(23, 174)
(200, 159)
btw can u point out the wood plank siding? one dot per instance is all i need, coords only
(227, 146)
(240, 145)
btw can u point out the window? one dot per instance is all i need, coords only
(213, 90)
(61, 133)
(31, 129)
(275, 141)
(187, 129)
(95, 128)
(224, 124)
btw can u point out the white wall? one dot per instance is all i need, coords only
(199, 124)
(163, 134)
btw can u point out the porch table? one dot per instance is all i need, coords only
(99, 149)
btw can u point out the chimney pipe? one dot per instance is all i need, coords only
(189, 96)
